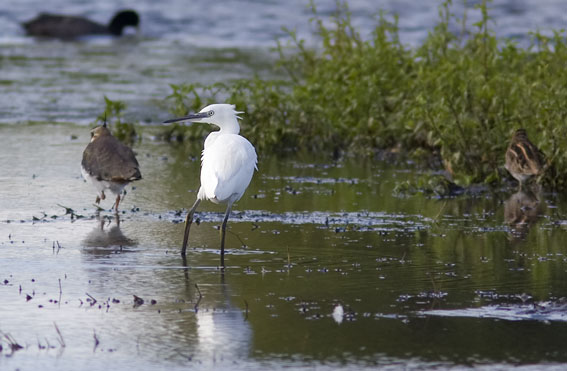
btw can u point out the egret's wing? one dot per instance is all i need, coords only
(107, 158)
(227, 167)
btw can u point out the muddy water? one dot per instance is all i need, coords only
(325, 268)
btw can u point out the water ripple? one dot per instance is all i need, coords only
(541, 311)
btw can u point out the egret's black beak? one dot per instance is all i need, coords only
(193, 116)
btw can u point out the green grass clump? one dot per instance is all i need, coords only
(459, 95)
(112, 115)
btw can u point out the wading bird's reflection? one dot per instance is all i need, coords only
(106, 235)
(521, 211)
(222, 328)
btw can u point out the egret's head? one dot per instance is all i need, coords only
(222, 115)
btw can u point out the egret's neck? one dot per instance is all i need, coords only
(229, 126)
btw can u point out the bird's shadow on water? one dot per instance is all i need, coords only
(107, 237)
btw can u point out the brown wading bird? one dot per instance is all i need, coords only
(109, 164)
(523, 158)
(71, 27)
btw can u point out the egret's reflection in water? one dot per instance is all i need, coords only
(223, 331)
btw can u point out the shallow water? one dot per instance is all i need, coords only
(326, 268)
(420, 282)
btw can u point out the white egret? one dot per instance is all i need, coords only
(228, 162)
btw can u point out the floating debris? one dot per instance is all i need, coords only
(138, 301)
(341, 222)
(12, 343)
(91, 299)
(313, 180)
(96, 341)
(70, 211)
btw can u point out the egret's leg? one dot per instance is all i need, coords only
(223, 233)
(188, 222)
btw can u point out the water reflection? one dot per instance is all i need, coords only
(223, 331)
(521, 211)
(193, 313)
(107, 234)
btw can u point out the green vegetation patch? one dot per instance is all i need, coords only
(458, 96)
(112, 116)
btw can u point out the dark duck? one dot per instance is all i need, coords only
(72, 27)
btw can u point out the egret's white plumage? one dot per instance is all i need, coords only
(227, 163)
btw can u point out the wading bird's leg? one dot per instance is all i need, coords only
(116, 204)
(223, 233)
(102, 221)
(97, 201)
(188, 222)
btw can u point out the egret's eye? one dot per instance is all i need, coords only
(211, 112)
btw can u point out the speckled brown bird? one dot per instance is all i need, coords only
(523, 158)
(109, 164)
(71, 27)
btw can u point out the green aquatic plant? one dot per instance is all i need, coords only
(341, 98)
(185, 98)
(435, 185)
(458, 96)
(112, 115)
